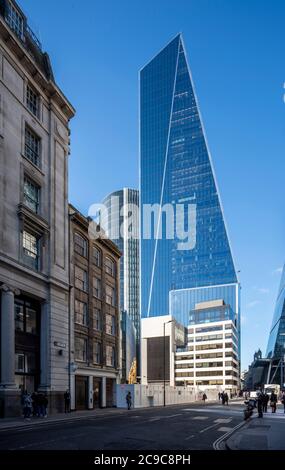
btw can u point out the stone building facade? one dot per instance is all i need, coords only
(34, 259)
(95, 316)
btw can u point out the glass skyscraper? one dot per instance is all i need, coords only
(123, 200)
(276, 341)
(176, 168)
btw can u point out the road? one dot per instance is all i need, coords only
(180, 427)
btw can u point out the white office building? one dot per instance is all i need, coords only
(211, 358)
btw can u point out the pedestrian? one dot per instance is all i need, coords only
(66, 401)
(223, 398)
(226, 399)
(260, 401)
(283, 400)
(204, 397)
(34, 398)
(42, 405)
(45, 405)
(273, 402)
(27, 406)
(265, 402)
(129, 400)
(219, 396)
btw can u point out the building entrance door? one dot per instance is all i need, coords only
(81, 389)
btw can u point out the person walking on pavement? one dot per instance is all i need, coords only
(223, 398)
(66, 401)
(219, 396)
(265, 402)
(129, 400)
(226, 397)
(260, 401)
(204, 397)
(283, 400)
(273, 402)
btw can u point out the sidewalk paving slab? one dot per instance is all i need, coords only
(260, 433)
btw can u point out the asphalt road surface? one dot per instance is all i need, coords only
(183, 427)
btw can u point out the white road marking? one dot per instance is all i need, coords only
(216, 444)
(172, 416)
(209, 427)
(189, 437)
(224, 429)
(223, 420)
(200, 417)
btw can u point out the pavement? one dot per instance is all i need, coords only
(265, 433)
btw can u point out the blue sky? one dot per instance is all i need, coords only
(236, 54)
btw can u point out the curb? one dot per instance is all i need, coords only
(223, 439)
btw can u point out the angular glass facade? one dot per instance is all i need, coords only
(175, 168)
(276, 341)
(182, 302)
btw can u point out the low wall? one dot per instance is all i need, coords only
(152, 395)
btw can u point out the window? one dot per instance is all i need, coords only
(110, 267)
(19, 318)
(97, 359)
(14, 20)
(80, 279)
(110, 356)
(26, 317)
(30, 246)
(80, 312)
(25, 363)
(97, 256)
(32, 146)
(32, 101)
(80, 349)
(97, 319)
(110, 295)
(31, 320)
(110, 325)
(80, 245)
(31, 195)
(97, 287)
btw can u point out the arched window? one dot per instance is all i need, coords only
(97, 256)
(110, 266)
(80, 245)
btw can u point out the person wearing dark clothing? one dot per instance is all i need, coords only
(27, 405)
(45, 405)
(34, 398)
(67, 402)
(260, 401)
(129, 400)
(219, 395)
(204, 398)
(273, 402)
(265, 402)
(223, 398)
(283, 400)
(226, 398)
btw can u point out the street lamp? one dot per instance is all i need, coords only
(164, 365)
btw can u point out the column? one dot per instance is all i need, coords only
(7, 338)
(90, 392)
(45, 345)
(103, 392)
(72, 391)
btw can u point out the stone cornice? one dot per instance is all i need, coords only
(47, 85)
